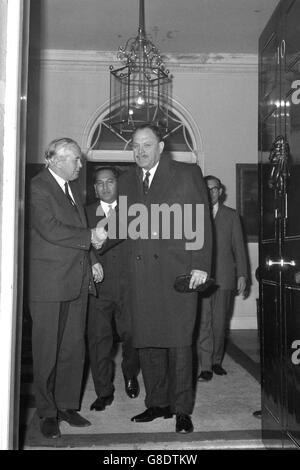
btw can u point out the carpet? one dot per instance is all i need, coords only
(222, 414)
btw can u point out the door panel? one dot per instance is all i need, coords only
(271, 349)
(269, 130)
(279, 249)
(270, 299)
(292, 367)
(291, 238)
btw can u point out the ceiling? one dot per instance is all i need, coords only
(175, 26)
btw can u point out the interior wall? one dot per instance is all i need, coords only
(66, 90)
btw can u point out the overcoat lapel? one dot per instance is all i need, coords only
(161, 182)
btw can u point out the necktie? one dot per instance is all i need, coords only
(68, 195)
(146, 183)
(110, 210)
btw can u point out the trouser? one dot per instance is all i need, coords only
(101, 312)
(211, 340)
(167, 375)
(58, 348)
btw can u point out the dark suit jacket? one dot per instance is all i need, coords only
(161, 316)
(109, 256)
(59, 241)
(230, 253)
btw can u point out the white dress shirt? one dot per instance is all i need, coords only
(107, 207)
(152, 173)
(61, 183)
(215, 209)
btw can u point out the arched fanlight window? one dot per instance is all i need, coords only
(183, 140)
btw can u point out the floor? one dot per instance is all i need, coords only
(222, 416)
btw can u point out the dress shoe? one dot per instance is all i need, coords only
(152, 413)
(257, 414)
(72, 418)
(132, 387)
(205, 376)
(49, 428)
(184, 423)
(217, 369)
(101, 403)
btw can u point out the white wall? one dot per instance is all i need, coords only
(220, 93)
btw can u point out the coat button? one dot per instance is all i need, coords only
(155, 256)
(138, 257)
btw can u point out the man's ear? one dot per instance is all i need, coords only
(57, 160)
(161, 146)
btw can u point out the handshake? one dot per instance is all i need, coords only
(99, 235)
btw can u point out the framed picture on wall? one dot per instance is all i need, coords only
(247, 198)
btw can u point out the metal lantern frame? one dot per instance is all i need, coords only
(140, 89)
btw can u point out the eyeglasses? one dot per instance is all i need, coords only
(213, 188)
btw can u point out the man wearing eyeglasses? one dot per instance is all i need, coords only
(230, 272)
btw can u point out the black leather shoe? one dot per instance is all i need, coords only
(152, 413)
(49, 428)
(257, 414)
(184, 423)
(217, 369)
(101, 403)
(72, 418)
(205, 376)
(132, 387)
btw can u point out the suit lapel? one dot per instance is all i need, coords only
(78, 202)
(219, 215)
(62, 197)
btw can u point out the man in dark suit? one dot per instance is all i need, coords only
(109, 304)
(59, 279)
(163, 319)
(230, 272)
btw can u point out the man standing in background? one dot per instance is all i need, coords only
(230, 272)
(109, 304)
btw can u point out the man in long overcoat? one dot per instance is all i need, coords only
(163, 319)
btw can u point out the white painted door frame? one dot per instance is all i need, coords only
(11, 290)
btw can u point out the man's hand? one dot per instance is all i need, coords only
(97, 272)
(99, 235)
(198, 277)
(241, 285)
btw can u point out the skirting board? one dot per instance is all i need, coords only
(244, 322)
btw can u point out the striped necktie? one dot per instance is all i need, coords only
(67, 193)
(146, 183)
(110, 210)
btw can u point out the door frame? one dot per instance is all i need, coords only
(12, 217)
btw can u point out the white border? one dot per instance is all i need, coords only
(8, 294)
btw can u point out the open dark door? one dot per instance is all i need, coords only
(279, 173)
